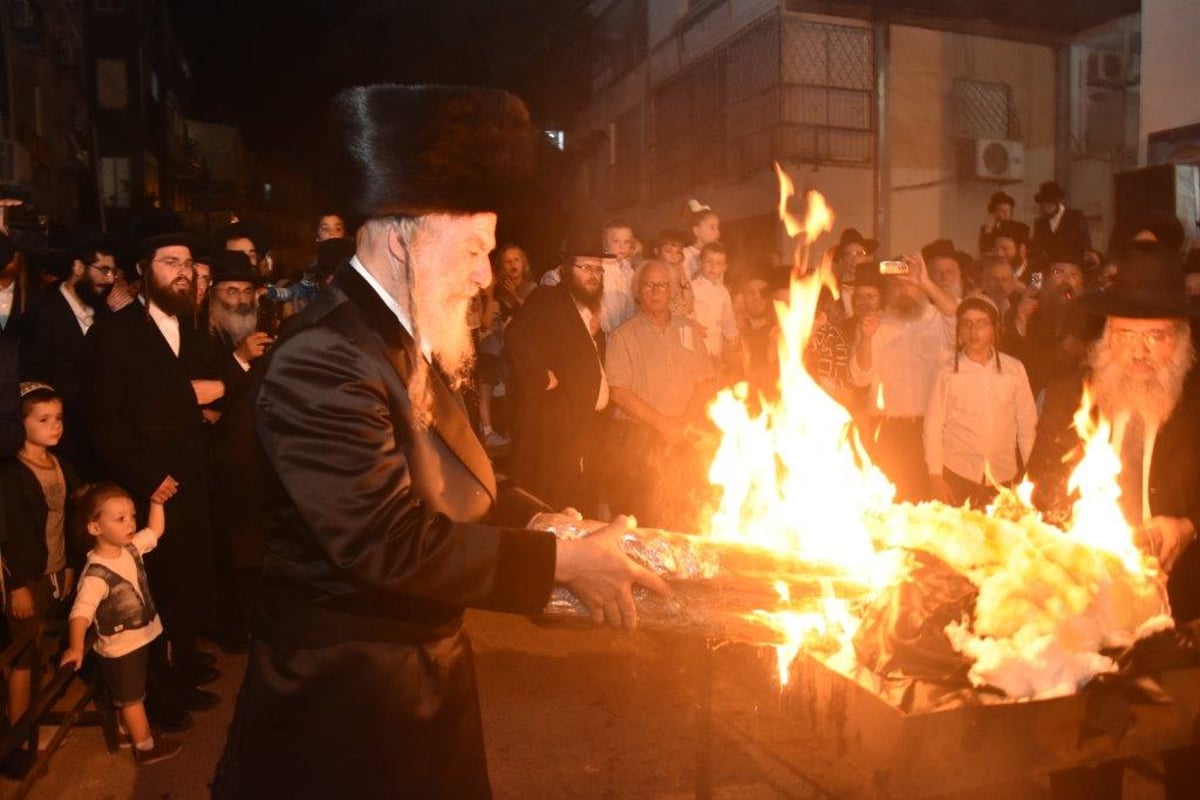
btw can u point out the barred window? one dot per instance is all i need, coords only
(828, 76)
(984, 110)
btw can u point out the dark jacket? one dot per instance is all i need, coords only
(146, 425)
(556, 428)
(24, 510)
(55, 352)
(12, 430)
(360, 681)
(1070, 240)
(1174, 482)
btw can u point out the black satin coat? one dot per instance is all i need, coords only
(360, 681)
(557, 431)
(1174, 480)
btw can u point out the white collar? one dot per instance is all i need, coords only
(159, 316)
(83, 312)
(400, 313)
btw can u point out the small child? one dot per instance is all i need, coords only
(113, 593)
(34, 488)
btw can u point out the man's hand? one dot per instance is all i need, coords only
(868, 325)
(1025, 311)
(598, 572)
(254, 345)
(20, 603)
(73, 656)
(165, 491)
(1166, 538)
(551, 380)
(208, 391)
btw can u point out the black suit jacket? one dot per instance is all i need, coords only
(1071, 239)
(555, 428)
(55, 352)
(12, 430)
(361, 680)
(146, 424)
(1174, 482)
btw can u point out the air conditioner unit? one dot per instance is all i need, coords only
(15, 163)
(993, 159)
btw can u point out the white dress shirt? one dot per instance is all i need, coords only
(904, 356)
(85, 315)
(590, 322)
(978, 418)
(7, 295)
(714, 311)
(616, 304)
(168, 326)
(398, 310)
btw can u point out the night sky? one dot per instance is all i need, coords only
(271, 66)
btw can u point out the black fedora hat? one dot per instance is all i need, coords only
(852, 236)
(161, 229)
(939, 248)
(230, 266)
(1011, 229)
(1050, 192)
(415, 150)
(1149, 284)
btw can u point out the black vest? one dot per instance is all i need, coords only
(124, 609)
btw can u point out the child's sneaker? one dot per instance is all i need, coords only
(494, 439)
(163, 749)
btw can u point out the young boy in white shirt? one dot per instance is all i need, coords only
(114, 594)
(981, 413)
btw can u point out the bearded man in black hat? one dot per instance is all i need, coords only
(555, 349)
(1143, 379)
(359, 681)
(54, 351)
(149, 374)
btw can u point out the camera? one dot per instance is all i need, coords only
(1035, 282)
(893, 266)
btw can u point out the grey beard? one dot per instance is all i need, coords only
(232, 323)
(1151, 398)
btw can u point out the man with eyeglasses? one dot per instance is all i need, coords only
(1142, 377)
(54, 351)
(149, 373)
(555, 349)
(660, 375)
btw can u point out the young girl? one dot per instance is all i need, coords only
(706, 228)
(113, 593)
(34, 487)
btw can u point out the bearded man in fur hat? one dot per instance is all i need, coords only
(360, 681)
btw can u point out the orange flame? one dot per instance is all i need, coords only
(795, 478)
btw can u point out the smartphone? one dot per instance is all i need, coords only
(1035, 282)
(893, 267)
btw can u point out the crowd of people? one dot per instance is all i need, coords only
(127, 380)
(126, 370)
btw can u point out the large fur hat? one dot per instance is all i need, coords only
(415, 150)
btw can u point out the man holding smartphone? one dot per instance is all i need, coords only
(896, 351)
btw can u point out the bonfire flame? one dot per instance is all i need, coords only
(795, 478)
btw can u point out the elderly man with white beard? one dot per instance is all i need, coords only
(1142, 376)
(359, 681)
(896, 352)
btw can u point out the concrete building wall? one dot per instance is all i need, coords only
(1170, 94)
(929, 197)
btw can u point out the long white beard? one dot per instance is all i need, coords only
(1151, 397)
(444, 330)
